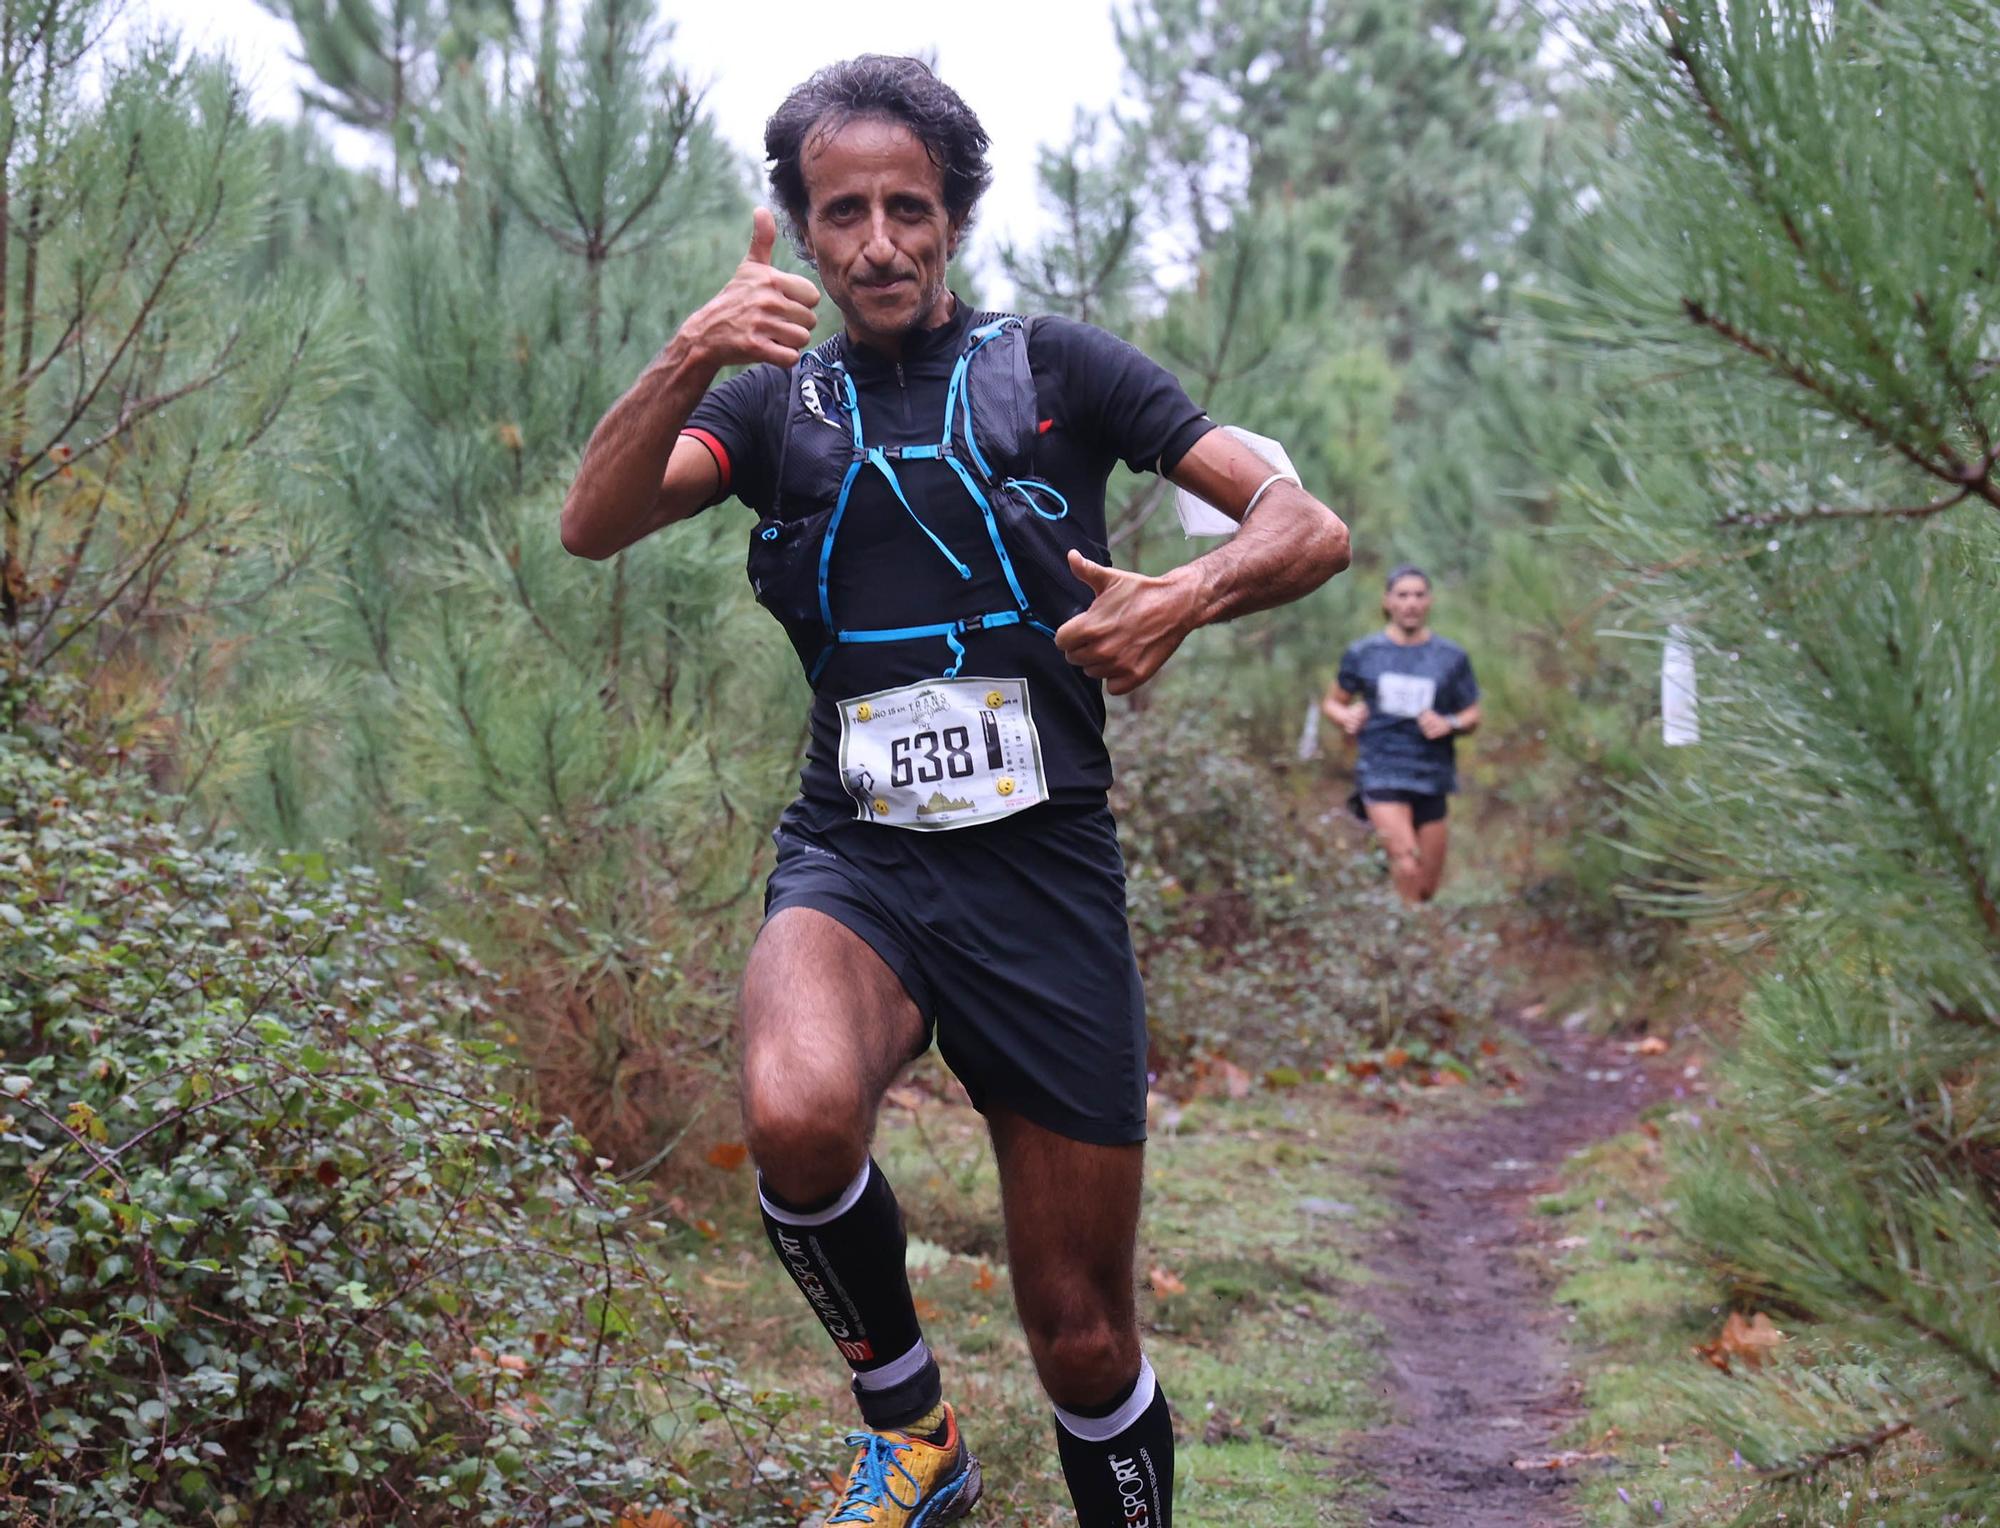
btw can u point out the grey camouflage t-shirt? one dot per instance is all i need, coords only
(1399, 683)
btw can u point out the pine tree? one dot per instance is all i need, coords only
(1409, 120)
(378, 65)
(1799, 248)
(600, 748)
(147, 424)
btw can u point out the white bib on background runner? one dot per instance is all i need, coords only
(1405, 694)
(943, 753)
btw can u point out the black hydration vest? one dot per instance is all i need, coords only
(986, 439)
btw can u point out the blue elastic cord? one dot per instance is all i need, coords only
(935, 629)
(957, 654)
(853, 405)
(1029, 487)
(826, 543)
(839, 510)
(897, 633)
(881, 463)
(992, 529)
(961, 393)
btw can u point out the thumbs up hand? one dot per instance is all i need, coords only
(1132, 627)
(763, 237)
(762, 314)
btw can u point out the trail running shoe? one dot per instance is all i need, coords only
(901, 1480)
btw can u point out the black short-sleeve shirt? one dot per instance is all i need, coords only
(1099, 401)
(1400, 683)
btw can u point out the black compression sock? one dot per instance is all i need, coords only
(1120, 1465)
(847, 1259)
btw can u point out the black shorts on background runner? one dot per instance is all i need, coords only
(1011, 939)
(1425, 806)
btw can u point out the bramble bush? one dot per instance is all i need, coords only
(1263, 937)
(274, 1245)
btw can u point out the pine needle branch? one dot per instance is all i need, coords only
(1805, 1466)
(1951, 470)
(1760, 184)
(1821, 512)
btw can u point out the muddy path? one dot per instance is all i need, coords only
(1477, 1375)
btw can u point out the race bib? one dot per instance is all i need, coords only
(1405, 694)
(944, 753)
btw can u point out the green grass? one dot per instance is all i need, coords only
(1259, 1207)
(1640, 1310)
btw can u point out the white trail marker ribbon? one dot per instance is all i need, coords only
(1680, 707)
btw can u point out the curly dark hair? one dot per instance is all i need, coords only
(896, 90)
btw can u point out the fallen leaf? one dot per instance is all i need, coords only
(1395, 1057)
(1364, 1068)
(1489, 1047)
(709, 1229)
(328, 1173)
(659, 1517)
(1221, 1427)
(1532, 1012)
(983, 1281)
(926, 1309)
(728, 1155)
(1444, 1078)
(513, 1363)
(1165, 1284)
(1748, 1341)
(1652, 1045)
(1562, 1461)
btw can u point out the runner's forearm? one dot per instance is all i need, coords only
(1289, 545)
(620, 493)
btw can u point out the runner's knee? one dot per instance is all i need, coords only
(1081, 1359)
(808, 1140)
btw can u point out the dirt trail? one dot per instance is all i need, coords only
(1475, 1374)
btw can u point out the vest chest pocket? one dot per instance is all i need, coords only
(1035, 525)
(784, 574)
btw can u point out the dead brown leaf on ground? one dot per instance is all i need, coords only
(1748, 1341)
(728, 1155)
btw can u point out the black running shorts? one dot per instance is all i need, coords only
(1011, 939)
(1425, 806)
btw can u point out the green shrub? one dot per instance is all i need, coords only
(1263, 936)
(273, 1247)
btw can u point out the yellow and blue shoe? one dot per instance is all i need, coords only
(907, 1480)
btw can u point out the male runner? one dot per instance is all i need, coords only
(930, 487)
(1406, 694)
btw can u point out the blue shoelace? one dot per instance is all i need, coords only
(870, 1487)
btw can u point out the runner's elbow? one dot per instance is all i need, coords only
(579, 537)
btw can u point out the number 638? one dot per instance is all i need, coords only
(927, 757)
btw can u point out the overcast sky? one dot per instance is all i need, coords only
(1023, 66)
